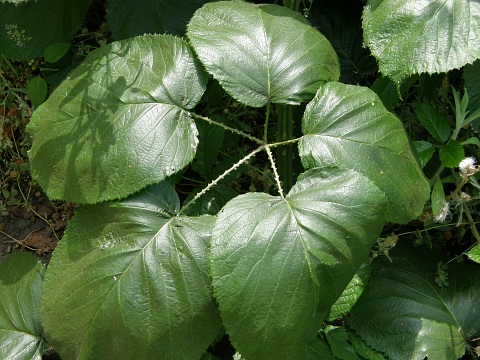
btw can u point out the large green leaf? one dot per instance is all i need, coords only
(404, 314)
(20, 290)
(119, 122)
(262, 53)
(129, 18)
(348, 126)
(411, 36)
(28, 27)
(279, 264)
(131, 280)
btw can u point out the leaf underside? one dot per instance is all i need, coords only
(347, 126)
(119, 122)
(262, 53)
(404, 314)
(410, 36)
(131, 280)
(279, 264)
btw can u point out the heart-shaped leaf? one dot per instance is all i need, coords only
(262, 53)
(406, 315)
(348, 126)
(279, 264)
(20, 290)
(131, 280)
(119, 122)
(411, 36)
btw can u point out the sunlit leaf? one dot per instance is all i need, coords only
(411, 36)
(119, 122)
(279, 264)
(347, 126)
(262, 53)
(129, 280)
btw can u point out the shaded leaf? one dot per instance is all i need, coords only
(119, 122)
(451, 154)
(404, 314)
(471, 77)
(28, 27)
(20, 289)
(434, 121)
(210, 139)
(211, 202)
(348, 126)
(344, 31)
(132, 18)
(131, 280)
(437, 197)
(425, 151)
(37, 90)
(262, 53)
(54, 52)
(279, 264)
(409, 37)
(339, 343)
(319, 350)
(351, 293)
(362, 349)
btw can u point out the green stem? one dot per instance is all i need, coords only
(285, 153)
(241, 133)
(265, 127)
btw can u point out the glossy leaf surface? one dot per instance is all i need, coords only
(404, 314)
(279, 264)
(348, 126)
(26, 32)
(131, 18)
(129, 280)
(412, 36)
(262, 53)
(119, 122)
(20, 290)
